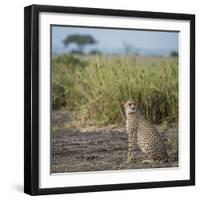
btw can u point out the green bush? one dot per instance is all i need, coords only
(58, 96)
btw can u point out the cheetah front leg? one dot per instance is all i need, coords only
(132, 142)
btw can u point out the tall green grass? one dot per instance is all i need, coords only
(95, 86)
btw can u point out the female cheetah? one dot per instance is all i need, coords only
(142, 133)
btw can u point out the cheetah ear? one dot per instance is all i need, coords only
(134, 99)
(123, 102)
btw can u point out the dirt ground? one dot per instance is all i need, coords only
(94, 149)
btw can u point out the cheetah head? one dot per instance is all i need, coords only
(130, 107)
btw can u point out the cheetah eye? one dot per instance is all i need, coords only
(129, 104)
(134, 104)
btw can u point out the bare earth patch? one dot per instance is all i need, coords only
(97, 149)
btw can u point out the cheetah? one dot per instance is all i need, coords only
(142, 134)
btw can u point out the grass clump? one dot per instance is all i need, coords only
(94, 86)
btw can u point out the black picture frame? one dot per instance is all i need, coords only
(31, 98)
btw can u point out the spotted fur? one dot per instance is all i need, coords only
(141, 133)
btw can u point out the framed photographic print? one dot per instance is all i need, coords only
(109, 99)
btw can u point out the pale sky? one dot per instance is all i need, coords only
(111, 40)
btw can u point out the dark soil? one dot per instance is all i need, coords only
(93, 149)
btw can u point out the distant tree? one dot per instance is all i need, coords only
(127, 48)
(174, 54)
(74, 51)
(95, 52)
(80, 40)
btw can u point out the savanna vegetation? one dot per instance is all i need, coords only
(92, 87)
